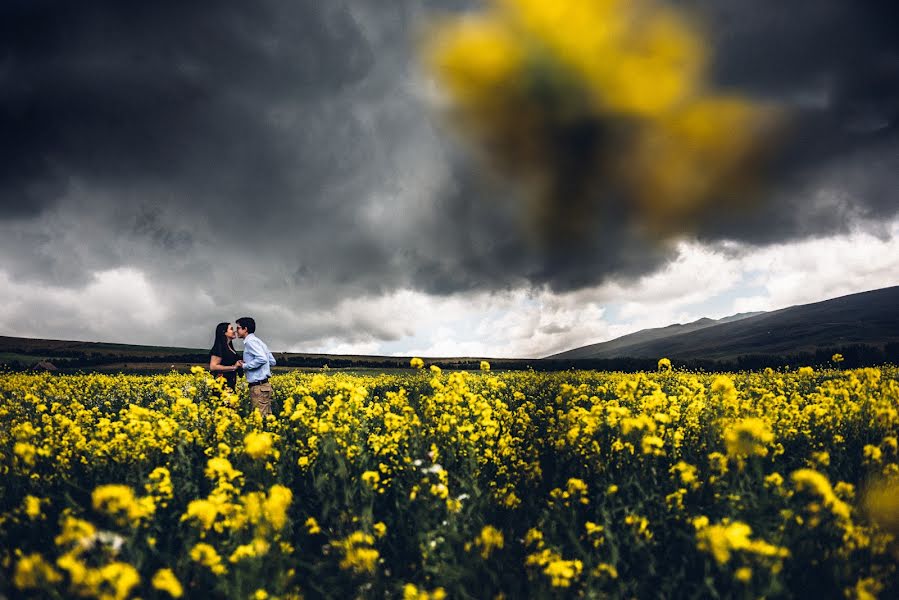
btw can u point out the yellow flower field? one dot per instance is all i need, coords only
(427, 484)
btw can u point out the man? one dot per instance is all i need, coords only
(257, 364)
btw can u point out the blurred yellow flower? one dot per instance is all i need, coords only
(312, 526)
(412, 592)
(371, 478)
(489, 540)
(32, 571)
(881, 501)
(723, 539)
(164, 580)
(523, 76)
(33, 506)
(749, 437)
(119, 502)
(258, 444)
(358, 554)
(207, 556)
(380, 529)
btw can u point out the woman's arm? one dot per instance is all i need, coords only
(215, 364)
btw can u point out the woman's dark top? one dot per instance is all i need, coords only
(229, 357)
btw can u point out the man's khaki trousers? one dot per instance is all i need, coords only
(261, 397)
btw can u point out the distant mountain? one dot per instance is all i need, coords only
(869, 318)
(625, 345)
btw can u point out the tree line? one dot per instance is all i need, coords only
(854, 356)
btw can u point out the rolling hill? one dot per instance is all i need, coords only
(868, 318)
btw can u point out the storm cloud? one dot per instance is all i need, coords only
(277, 157)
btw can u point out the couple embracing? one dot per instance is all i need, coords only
(257, 361)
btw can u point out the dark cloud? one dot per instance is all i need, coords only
(284, 153)
(834, 64)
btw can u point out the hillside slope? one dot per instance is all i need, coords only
(621, 346)
(869, 318)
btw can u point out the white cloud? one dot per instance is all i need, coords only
(125, 305)
(820, 269)
(699, 282)
(111, 302)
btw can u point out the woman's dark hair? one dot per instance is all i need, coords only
(221, 342)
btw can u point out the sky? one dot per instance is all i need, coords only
(165, 166)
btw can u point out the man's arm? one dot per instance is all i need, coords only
(271, 359)
(253, 357)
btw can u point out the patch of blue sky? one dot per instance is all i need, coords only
(722, 305)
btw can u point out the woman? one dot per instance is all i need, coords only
(223, 360)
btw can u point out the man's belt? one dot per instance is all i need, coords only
(255, 383)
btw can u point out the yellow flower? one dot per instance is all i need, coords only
(488, 540)
(32, 571)
(207, 556)
(312, 526)
(533, 537)
(561, 572)
(640, 525)
(276, 505)
(748, 437)
(867, 588)
(653, 444)
(118, 501)
(26, 452)
(725, 538)
(520, 73)
(33, 506)
(380, 529)
(258, 444)
(358, 554)
(774, 480)
(371, 478)
(718, 463)
(165, 581)
(220, 468)
(412, 592)
(121, 577)
(664, 365)
(576, 486)
(872, 453)
(203, 511)
(724, 387)
(257, 547)
(160, 484)
(687, 473)
(417, 363)
(605, 570)
(817, 484)
(485, 366)
(882, 503)
(74, 530)
(821, 458)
